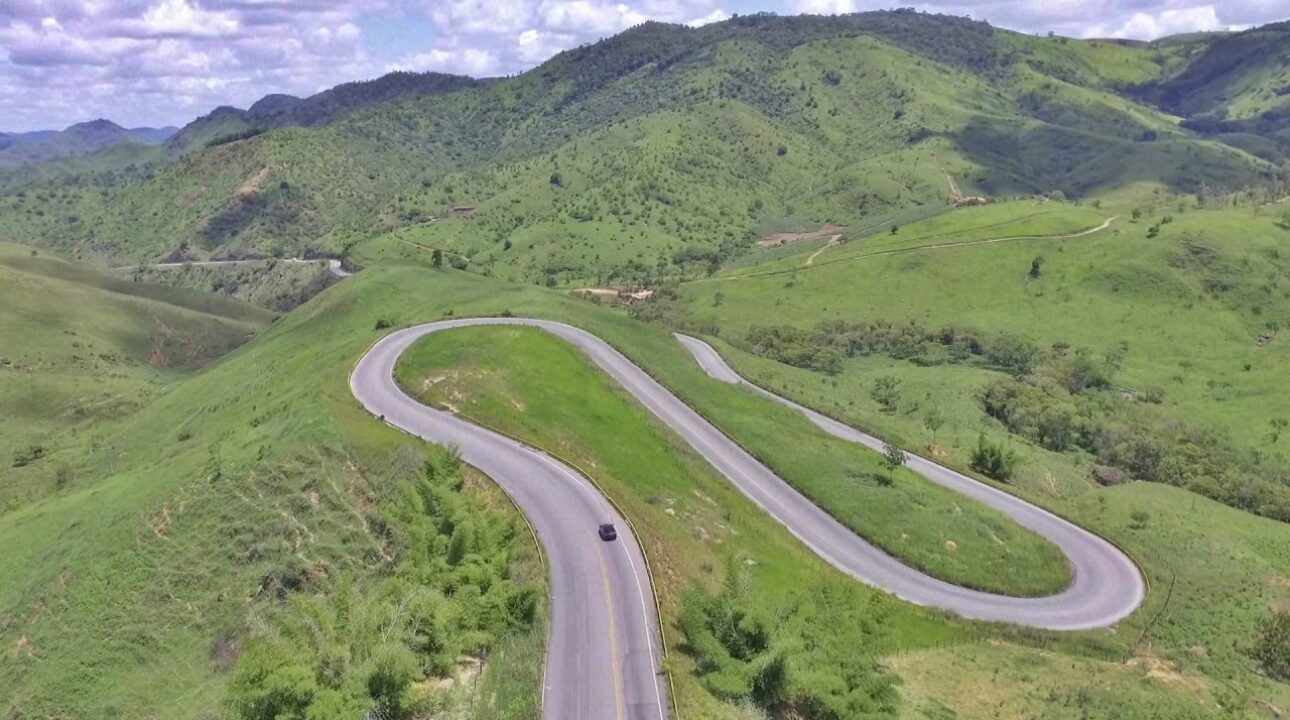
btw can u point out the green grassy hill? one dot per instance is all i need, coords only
(82, 348)
(1174, 317)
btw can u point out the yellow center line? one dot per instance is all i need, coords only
(613, 638)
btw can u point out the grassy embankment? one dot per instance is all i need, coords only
(80, 347)
(133, 588)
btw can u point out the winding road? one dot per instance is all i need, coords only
(603, 652)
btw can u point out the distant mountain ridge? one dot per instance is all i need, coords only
(76, 140)
(280, 110)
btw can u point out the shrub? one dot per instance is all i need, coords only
(1272, 651)
(25, 456)
(358, 650)
(993, 461)
(383, 323)
(886, 392)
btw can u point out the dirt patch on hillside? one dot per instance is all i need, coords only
(252, 184)
(626, 296)
(775, 240)
(1163, 671)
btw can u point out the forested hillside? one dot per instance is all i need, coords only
(665, 146)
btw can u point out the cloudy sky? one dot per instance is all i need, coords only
(157, 62)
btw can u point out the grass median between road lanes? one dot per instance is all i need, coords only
(519, 379)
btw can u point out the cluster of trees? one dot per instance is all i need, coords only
(823, 348)
(826, 673)
(360, 651)
(1062, 399)
(1068, 402)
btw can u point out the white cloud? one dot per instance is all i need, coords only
(824, 7)
(716, 15)
(1146, 26)
(178, 18)
(467, 61)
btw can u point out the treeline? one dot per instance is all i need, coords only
(366, 651)
(1129, 441)
(824, 348)
(1061, 398)
(829, 670)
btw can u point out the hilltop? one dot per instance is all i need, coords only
(77, 140)
(225, 124)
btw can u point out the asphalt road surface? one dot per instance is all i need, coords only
(1106, 587)
(603, 649)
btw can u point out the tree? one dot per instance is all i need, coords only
(895, 229)
(933, 421)
(436, 258)
(886, 392)
(270, 684)
(1036, 267)
(893, 457)
(391, 671)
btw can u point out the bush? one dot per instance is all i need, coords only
(25, 456)
(358, 650)
(383, 323)
(740, 655)
(993, 460)
(886, 392)
(1272, 651)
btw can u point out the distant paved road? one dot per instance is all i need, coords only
(602, 653)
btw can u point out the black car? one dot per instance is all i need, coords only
(607, 532)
